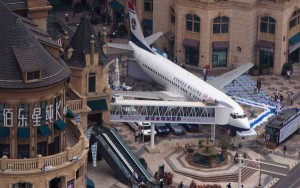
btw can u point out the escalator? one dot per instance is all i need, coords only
(120, 157)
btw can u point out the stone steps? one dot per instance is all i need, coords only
(246, 173)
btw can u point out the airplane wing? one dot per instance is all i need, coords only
(228, 77)
(152, 38)
(119, 46)
(154, 95)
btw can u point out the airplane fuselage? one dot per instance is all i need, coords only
(178, 80)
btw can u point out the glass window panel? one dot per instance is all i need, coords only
(217, 20)
(92, 82)
(197, 27)
(196, 18)
(216, 28)
(225, 19)
(272, 28)
(189, 25)
(224, 28)
(189, 17)
(271, 20)
(264, 27)
(264, 19)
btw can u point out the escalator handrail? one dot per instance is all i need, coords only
(118, 152)
(132, 155)
(114, 157)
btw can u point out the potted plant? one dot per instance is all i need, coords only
(286, 67)
(254, 71)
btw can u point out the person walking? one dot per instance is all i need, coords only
(229, 185)
(181, 185)
(136, 135)
(204, 74)
(67, 17)
(284, 150)
(288, 74)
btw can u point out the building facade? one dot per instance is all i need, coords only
(225, 33)
(33, 115)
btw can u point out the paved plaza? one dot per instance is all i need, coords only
(166, 145)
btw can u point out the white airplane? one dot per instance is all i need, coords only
(179, 81)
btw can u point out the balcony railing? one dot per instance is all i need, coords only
(78, 151)
(75, 101)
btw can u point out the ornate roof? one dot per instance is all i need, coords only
(21, 51)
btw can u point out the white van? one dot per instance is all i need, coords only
(145, 127)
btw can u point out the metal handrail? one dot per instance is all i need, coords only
(132, 155)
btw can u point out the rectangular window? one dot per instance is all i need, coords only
(42, 148)
(92, 82)
(23, 151)
(4, 150)
(148, 5)
(78, 173)
(219, 58)
(272, 28)
(33, 75)
(266, 58)
(192, 55)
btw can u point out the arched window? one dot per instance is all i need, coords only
(220, 25)
(193, 23)
(267, 25)
(92, 83)
(295, 19)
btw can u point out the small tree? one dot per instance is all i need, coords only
(286, 67)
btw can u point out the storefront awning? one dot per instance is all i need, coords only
(265, 44)
(23, 133)
(220, 45)
(295, 39)
(69, 114)
(116, 6)
(4, 132)
(60, 125)
(169, 35)
(89, 183)
(147, 23)
(44, 130)
(97, 105)
(190, 42)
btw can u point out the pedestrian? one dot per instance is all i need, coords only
(161, 183)
(110, 39)
(229, 185)
(67, 17)
(204, 74)
(290, 96)
(74, 13)
(284, 150)
(259, 85)
(288, 74)
(181, 185)
(136, 135)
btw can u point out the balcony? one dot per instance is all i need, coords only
(76, 153)
(75, 101)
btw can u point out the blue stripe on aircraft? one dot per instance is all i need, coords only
(137, 42)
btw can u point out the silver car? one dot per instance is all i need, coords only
(176, 129)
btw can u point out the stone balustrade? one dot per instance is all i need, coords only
(17, 165)
(76, 102)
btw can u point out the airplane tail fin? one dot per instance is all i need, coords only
(136, 30)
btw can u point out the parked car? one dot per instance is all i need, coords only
(191, 127)
(176, 128)
(145, 127)
(162, 129)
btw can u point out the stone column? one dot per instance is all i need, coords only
(92, 43)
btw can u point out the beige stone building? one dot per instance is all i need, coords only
(36, 146)
(225, 33)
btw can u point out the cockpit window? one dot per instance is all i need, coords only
(238, 116)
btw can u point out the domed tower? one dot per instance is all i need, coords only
(34, 150)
